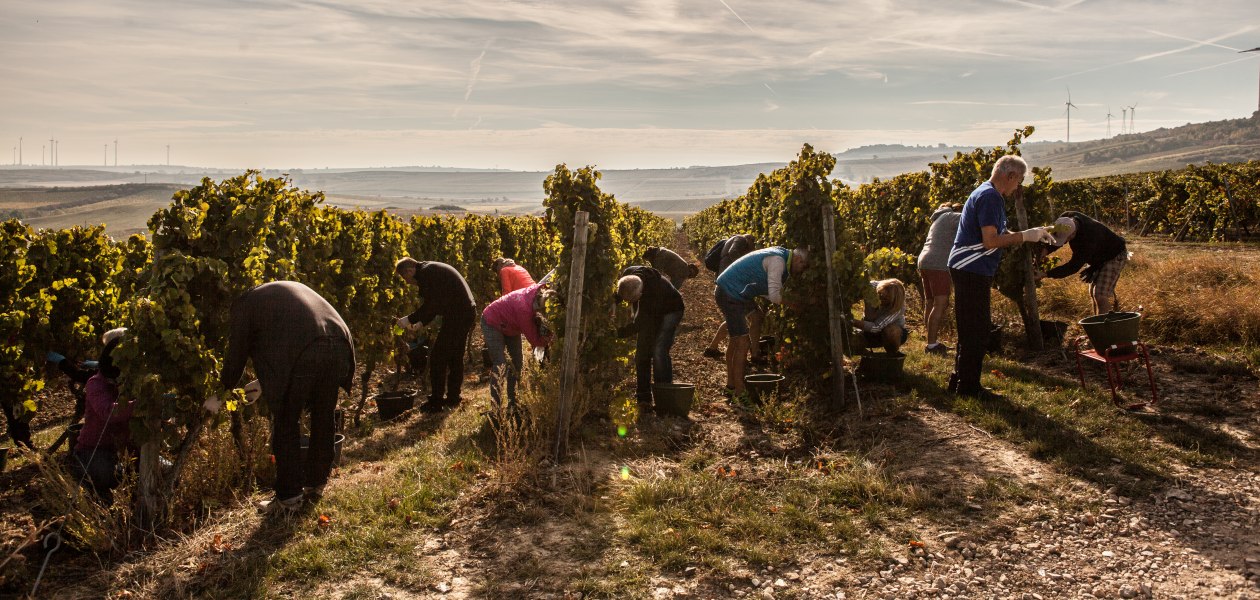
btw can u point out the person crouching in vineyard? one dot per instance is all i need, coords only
(657, 309)
(973, 262)
(512, 276)
(1092, 244)
(502, 325)
(934, 271)
(673, 267)
(716, 260)
(106, 432)
(443, 293)
(759, 273)
(302, 352)
(884, 322)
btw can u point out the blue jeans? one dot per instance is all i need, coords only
(496, 344)
(656, 338)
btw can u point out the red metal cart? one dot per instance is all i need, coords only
(1111, 357)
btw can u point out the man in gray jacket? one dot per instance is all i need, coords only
(302, 352)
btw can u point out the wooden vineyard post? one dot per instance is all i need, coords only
(1030, 312)
(835, 318)
(573, 332)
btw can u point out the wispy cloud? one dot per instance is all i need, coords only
(741, 19)
(1209, 67)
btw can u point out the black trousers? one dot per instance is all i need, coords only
(312, 387)
(974, 320)
(446, 358)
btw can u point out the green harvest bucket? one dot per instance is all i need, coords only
(673, 399)
(882, 366)
(1111, 329)
(763, 386)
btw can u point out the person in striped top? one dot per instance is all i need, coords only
(973, 262)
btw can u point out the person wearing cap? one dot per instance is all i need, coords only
(729, 251)
(1095, 245)
(512, 276)
(106, 431)
(667, 262)
(758, 273)
(513, 315)
(658, 309)
(302, 352)
(973, 261)
(443, 293)
(934, 272)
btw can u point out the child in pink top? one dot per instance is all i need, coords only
(512, 276)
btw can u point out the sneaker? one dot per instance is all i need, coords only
(713, 353)
(313, 493)
(940, 349)
(280, 508)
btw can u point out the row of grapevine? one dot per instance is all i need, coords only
(618, 235)
(1202, 203)
(214, 241)
(61, 290)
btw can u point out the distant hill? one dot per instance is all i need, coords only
(1232, 140)
(124, 197)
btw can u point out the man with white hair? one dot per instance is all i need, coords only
(658, 309)
(973, 262)
(1092, 244)
(758, 273)
(444, 293)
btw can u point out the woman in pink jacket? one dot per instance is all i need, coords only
(502, 324)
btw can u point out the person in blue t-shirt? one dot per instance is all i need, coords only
(973, 261)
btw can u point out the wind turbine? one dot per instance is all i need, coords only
(1070, 106)
(1257, 49)
(1133, 119)
(1109, 115)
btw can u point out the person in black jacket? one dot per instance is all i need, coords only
(302, 352)
(658, 309)
(1095, 245)
(444, 293)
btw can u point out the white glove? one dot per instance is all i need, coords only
(212, 405)
(1037, 234)
(253, 391)
(405, 323)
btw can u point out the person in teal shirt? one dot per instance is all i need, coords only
(758, 273)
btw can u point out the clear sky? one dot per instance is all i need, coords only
(622, 84)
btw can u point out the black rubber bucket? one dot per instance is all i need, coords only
(881, 366)
(768, 344)
(338, 439)
(391, 404)
(4, 457)
(673, 399)
(763, 387)
(72, 436)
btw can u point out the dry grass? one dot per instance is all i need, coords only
(1191, 298)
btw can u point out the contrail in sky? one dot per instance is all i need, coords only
(474, 70)
(741, 19)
